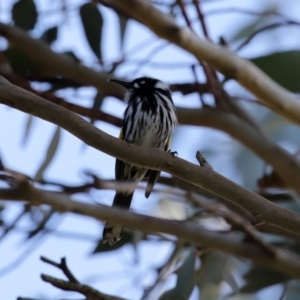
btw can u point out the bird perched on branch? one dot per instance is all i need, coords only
(149, 120)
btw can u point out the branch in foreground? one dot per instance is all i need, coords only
(283, 163)
(186, 231)
(62, 65)
(223, 60)
(73, 284)
(58, 64)
(261, 209)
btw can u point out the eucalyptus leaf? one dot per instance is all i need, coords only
(167, 295)
(292, 290)
(123, 21)
(27, 128)
(211, 274)
(259, 277)
(185, 278)
(53, 146)
(92, 22)
(283, 67)
(19, 61)
(24, 14)
(98, 101)
(50, 35)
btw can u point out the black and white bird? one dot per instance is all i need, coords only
(149, 121)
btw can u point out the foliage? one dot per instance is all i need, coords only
(199, 270)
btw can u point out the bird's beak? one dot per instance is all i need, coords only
(126, 84)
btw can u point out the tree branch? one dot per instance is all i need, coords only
(155, 159)
(73, 284)
(223, 60)
(185, 231)
(260, 143)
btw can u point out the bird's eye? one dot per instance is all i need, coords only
(142, 82)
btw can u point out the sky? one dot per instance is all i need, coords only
(116, 272)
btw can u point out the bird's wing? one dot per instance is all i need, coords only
(119, 166)
(153, 175)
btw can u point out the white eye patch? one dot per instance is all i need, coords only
(136, 85)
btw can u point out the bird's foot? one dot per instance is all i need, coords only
(173, 153)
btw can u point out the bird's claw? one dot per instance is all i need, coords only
(173, 153)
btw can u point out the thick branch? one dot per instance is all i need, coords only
(185, 231)
(58, 64)
(223, 60)
(149, 158)
(259, 142)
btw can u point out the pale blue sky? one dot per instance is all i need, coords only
(108, 272)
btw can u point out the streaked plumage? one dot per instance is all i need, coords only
(149, 120)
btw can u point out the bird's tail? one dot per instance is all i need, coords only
(113, 233)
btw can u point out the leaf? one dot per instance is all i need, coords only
(185, 278)
(27, 128)
(123, 21)
(92, 22)
(126, 239)
(283, 67)
(53, 146)
(24, 14)
(211, 274)
(292, 291)
(98, 100)
(242, 297)
(259, 277)
(19, 61)
(244, 31)
(50, 35)
(167, 295)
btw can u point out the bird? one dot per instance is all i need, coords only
(148, 121)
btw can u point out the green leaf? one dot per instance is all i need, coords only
(24, 14)
(259, 277)
(27, 128)
(92, 22)
(53, 146)
(283, 67)
(126, 239)
(167, 295)
(19, 61)
(98, 101)
(123, 21)
(211, 274)
(247, 29)
(242, 297)
(292, 291)
(185, 278)
(50, 35)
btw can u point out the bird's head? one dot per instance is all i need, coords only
(143, 85)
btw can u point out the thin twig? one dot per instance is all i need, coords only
(89, 292)
(62, 265)
(267, 27)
